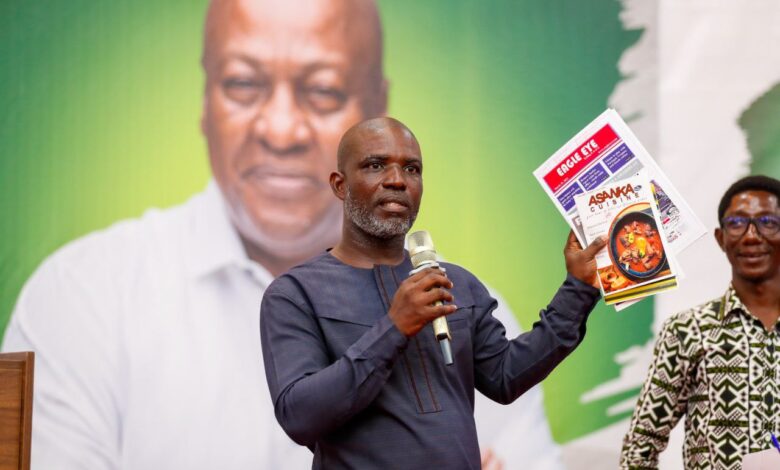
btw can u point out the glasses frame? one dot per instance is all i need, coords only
(757, 222)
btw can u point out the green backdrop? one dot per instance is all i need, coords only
(99, 119)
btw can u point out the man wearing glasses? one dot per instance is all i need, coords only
(718, 363)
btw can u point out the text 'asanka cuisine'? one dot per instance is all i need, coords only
(613, 196)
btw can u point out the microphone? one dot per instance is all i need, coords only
(424, 256)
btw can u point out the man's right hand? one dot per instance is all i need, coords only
(581, 263)
(413, 304)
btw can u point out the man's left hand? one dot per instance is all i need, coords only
(581, 263)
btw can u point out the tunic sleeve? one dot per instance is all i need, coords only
(505, 369)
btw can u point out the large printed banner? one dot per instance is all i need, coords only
(101, 119)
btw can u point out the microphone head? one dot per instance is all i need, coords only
(421, 248)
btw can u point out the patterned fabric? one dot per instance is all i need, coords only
(717, 365)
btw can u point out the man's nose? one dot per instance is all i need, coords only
(281, 125)
(752, 233)
(394, 177)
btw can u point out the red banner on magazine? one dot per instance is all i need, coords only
(577, 160)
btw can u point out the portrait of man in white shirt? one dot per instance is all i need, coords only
(146, 333)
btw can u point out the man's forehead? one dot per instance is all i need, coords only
(315, 16)
(387, 141)
(279, 26)
(754, 200)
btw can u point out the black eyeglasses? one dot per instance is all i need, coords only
(737, 225)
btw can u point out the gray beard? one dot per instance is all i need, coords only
(361, 216)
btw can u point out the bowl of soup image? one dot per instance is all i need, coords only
(635, 245)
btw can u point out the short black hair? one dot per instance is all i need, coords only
(748, 183)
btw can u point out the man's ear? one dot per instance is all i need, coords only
(203, 111)
(719, 237)
(337, 184)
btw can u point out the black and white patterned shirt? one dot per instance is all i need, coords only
(717, 365)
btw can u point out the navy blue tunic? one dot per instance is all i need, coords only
(350, 386)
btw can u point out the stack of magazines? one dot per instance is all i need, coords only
(604, 182)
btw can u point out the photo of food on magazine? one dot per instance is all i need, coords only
(636, 262)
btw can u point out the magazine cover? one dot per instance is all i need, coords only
(636, 261)
(606, 151)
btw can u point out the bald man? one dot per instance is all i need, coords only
(355, 370)
(146, 337)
